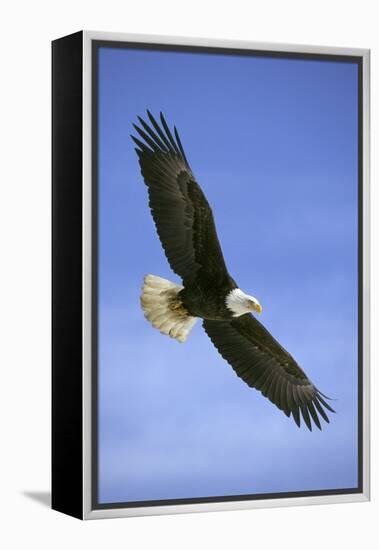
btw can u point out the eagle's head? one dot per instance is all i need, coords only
(240, 303)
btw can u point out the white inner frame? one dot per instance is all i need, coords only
(88, 512)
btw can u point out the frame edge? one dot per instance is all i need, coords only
(364, 496)
(66, 275)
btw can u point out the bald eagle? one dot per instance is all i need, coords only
(187, 231)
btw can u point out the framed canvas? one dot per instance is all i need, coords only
(210, 275)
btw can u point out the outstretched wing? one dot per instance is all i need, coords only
(262, 363)
(182, 215)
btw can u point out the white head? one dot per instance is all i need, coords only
(239, 303)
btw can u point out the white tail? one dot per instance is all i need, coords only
(159, 301)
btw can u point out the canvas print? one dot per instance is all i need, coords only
(227, 289)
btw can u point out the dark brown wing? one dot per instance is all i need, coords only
(182, 215)
(262, 363)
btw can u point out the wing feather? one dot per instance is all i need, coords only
(181, 213)
(265, 365)
(313, 413)
(320, 410)
(296, 415)
(283, 400)
(169, 135)
(163, 146)
(305, 413)
(268, 383)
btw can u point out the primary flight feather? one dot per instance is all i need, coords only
(187, 231)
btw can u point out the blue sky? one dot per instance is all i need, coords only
(273, 143)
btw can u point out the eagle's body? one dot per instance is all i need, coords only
(208, 301)
(186, 228)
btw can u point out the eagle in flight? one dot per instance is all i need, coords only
(187, 231)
